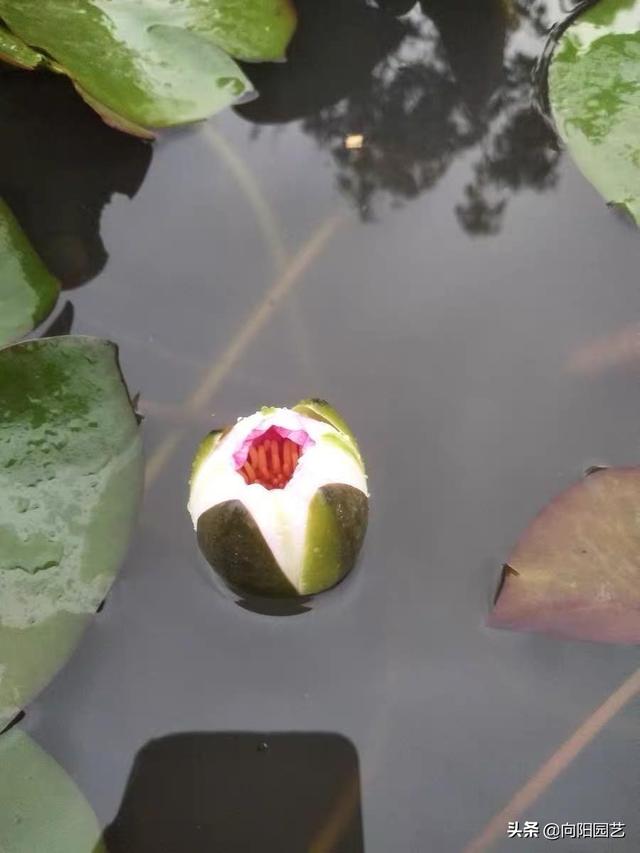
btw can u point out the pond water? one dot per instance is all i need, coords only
(393, 227)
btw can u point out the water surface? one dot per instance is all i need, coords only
(443, 285)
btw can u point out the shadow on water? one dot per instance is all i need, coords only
(241, 792)
(450, 77)
(59, 166)
(62, 324)
(282, 607)
(274, 606)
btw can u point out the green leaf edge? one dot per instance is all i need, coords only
(45, 286)
(39, 798)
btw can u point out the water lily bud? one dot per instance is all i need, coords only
(279, 501)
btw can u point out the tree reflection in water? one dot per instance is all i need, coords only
(446, 78)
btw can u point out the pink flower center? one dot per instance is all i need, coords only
(270, 458)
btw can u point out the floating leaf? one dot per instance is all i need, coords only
(41, 809)
(28, 292)
(70, 479)
(15, 52)
(254, 31)
(594, 91)
(154, 63)
(576, 571)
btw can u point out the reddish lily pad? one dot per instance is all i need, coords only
(576, 570)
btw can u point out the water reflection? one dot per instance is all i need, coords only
(223, 792)
(59, 166)
(450, 77)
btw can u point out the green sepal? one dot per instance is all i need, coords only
(206, 447)
(320, 410)
(336, 526)
(344, 443)
(234, 546)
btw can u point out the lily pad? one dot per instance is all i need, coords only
(594, 92)
(15, 52)
(71, 474)
(28, 292)
(40, 807)
(576, 570)
(154, 63)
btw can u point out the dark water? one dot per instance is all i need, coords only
(443, 285)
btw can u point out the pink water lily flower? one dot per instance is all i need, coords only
(280, 502)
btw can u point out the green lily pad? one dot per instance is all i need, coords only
(28, 292)
(15, 52)
(154, 63)
(594, 92)
(71, 474)
(254, 31)
(40, 807)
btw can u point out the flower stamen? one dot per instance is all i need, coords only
(271, 460)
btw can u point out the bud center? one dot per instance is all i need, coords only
(271, 461)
